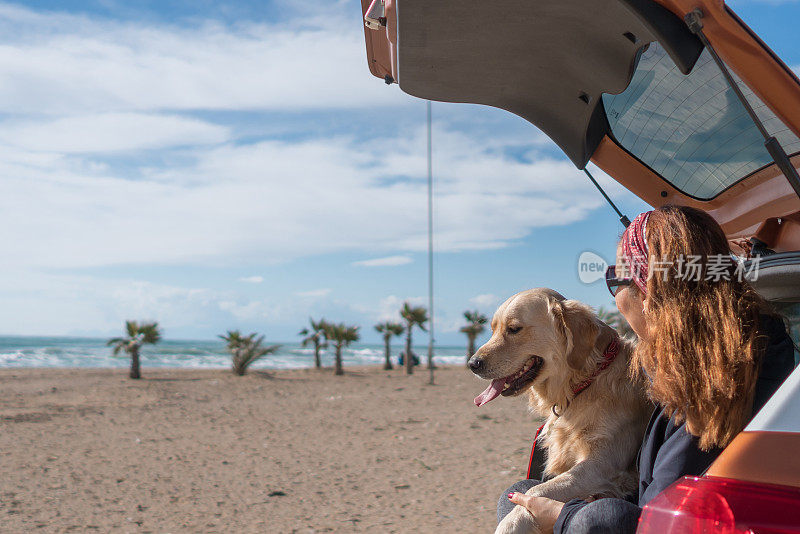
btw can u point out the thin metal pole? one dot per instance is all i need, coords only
(622, 218)
(694, 21)
(430, 247)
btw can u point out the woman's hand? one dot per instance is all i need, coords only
(543, 509)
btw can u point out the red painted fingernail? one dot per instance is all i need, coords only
(510, 494)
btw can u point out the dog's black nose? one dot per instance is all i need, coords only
(476, 364)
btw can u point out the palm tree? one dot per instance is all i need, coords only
(416, 316)
(389, 329)
(341, 335)
(475, 326)
(137, 335)
(615, 320)
(315, 335)
(245, 349)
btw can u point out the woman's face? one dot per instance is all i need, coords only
(631, 303)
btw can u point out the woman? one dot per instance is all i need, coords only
(710, 346)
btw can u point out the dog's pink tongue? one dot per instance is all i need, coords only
(490, 393)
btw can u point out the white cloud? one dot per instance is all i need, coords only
(44, 304)
(52, 62)
(253, 310)
(231, 203)
(110, 132)
(66, 304)
(485, 301)
(388, 261)
(118, 85)
(450, 324)
(315, 293)
(388, 308)
(78, 91)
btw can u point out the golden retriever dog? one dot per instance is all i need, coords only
(559, 352)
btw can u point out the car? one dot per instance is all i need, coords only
(681, 103)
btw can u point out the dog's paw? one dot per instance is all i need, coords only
(518, 521)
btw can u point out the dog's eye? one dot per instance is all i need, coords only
(514, 329)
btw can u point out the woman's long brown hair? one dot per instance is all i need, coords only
(703, 351)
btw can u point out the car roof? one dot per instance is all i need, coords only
(621, 83)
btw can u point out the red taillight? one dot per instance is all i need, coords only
(722, 506)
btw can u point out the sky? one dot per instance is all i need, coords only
(215, 166)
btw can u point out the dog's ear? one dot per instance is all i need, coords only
(579, 327)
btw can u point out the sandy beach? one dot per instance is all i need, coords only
(281, 451)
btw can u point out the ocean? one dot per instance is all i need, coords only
(91, 352)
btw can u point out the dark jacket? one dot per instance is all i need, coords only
(669, 452)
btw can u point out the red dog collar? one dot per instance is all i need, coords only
(609, 355)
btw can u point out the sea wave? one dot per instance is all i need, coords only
(73, 352)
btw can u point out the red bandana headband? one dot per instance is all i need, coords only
(634, 250)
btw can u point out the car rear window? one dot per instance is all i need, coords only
(691, 129)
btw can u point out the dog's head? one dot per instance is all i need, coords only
(537, 335)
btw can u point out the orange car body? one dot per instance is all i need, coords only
(761, 205)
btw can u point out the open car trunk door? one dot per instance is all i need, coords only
(621, 83)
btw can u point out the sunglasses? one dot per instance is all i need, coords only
(614, 284)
